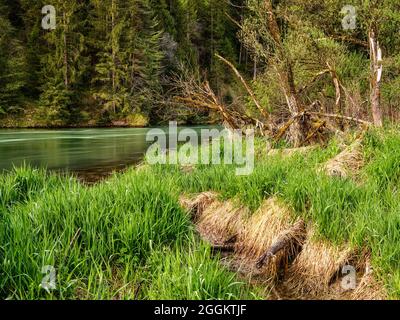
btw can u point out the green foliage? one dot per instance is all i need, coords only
(107, 239)
(202, 279)
(63, 63)
(12, 65)
(110, 59)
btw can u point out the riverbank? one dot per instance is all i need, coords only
(32, 119)
(132, 236)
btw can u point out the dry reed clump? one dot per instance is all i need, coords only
(216, 221)
(314, 268)
(368, 287)
(316, 273)
(221, 221)
(196, 205)
(346, 163)
(269, 225)
(270, 245)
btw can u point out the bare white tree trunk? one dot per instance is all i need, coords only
(376, 77)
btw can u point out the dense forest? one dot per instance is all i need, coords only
(106, 60)
(141, 62)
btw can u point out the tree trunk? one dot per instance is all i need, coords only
(376, 76)
(66, 66)
(286, 77)
(255, 69)
(338, 92)
(113, 54)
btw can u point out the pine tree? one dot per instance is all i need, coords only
(64, 63)
(147, 50)
(221, 34)
(167, 23)
(127, 71)
(12, 65)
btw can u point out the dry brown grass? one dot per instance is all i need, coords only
(316, 273)
(306, 268)
(196, 205)
(271, 223)
(369, 289)
(314, 268)
(216, 221)
(221, 221)
(368, 286)
(347, 163)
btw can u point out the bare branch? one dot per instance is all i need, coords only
(338, 116)
(250, 92)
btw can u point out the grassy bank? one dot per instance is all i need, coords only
(128, 237)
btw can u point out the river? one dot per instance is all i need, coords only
(91, 154)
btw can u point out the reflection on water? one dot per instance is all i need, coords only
(89, 153)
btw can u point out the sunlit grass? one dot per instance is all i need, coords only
(93, 236)
(128, 238)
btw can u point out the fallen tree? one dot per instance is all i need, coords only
(300, 117)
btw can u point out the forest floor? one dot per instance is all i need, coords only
(290, 230)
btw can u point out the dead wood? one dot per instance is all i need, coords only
(376, 76)
(338, 93)
(223, 248)
(246, 86)
(314, 132)
(282, 130)
(289, 239)
(313, 80)
(337, 116)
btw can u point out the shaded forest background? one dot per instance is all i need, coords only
(124, 62)
(107, 60)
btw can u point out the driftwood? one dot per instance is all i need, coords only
(291, 118)
(298, 126)
(291, 237)
(282, 130)
(203, 97)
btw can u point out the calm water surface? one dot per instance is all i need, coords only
(89, 153)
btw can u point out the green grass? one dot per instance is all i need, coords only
(94, 236)
(128, 237)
